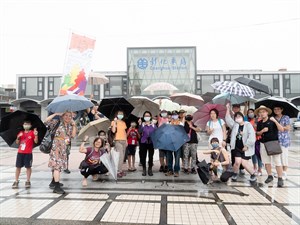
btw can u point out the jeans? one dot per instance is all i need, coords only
(170, 160)
(256, 158)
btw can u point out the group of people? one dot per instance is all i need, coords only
(232, 143)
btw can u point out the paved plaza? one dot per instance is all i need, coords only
(135, 199)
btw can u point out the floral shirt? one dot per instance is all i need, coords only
(284, 136)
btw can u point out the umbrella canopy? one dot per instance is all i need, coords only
(233, 87)
(187, 99)
(92, 128)
(288, 108)
(161, 86)
(189, 109)
(224, 98)
(109, 163)
(167, 104)
(255, 84)
(208, 96)
(142, 104)
(169, 137)
(109, 106)
(201, 117)
(130, 119)
(12, 124)
(69, 103)
(97, 78)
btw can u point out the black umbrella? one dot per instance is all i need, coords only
(208, 96)
(288, 108)
(109, 106)
(130, 119)
(12, 124)
(255, 84)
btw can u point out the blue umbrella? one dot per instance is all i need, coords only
(169, 137)
(224, 98)
(70, 103)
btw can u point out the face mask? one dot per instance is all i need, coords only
(26, 127)
(251, 115)
(215, 145)
(146, 118)
(239, 120)
(189, 118)
(164, 115)
(154, 121)
(120, 117)
(133, 124)
(175, 117)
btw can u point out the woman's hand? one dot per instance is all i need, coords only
(86, 138)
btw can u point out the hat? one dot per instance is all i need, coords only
(163, 111)
(262, 107)
(174, 112)
(182, 111)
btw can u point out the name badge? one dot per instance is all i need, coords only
(133, 142)
(23, 146)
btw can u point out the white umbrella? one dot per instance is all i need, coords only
(187, 99)
(189, 109)
(92, 128)
(109, 163)
(97, 78)
(142, 104)
(160, 86)
(167, 104)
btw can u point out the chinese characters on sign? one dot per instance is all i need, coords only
(162, 63)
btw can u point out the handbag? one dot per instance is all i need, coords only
(83, 163)
(46, 144)
(273, 147)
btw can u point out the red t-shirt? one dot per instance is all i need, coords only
(132, 138)
(26, 142)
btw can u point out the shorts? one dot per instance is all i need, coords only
(162, 153)
(285, 156)
(131, 149)
(240, 154)
(24, 160)
(267, 159)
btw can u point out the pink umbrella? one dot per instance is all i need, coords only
(201, 116)
(187, 99)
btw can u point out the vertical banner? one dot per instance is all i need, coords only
(77, 66)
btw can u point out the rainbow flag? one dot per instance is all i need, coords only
(78, 65)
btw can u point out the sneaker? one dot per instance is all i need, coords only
(58, 190)
(15, 185)
(176, 174)
(186, 171)
(52, 185)
(161, 168)
(253, 178)
(234, 177)
(169, 173)
(194, 171)
(280, 182)
(165, 169)
(242, 172)
(269, 179)
(27, 184)
(67, 171)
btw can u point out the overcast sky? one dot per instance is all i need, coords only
(231, 34)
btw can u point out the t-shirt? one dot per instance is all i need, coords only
(93, 157)
(26, 142)
(218, 129)
(272, 134)
(192, 133)
(239, 145)
(132, 138)
(284, 136)
(121, 130)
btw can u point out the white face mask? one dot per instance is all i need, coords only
(164, 115)
(120, 117)
(26, 127)
(154, 121)
(239, 120)
(251, 115)
(147, 118)
(175, 117)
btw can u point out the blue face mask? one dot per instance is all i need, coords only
(215, 145)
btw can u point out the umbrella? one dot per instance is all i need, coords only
(114, 158)
(233, 87)
(109, 106)
(208, 96)
(130, 119)
(288, 108)
(142, 104)
(169, 137)
(224, 98)
(187, 99)
(167, 104)
(255, 84)
(109, 163)
(161, 86)
(92, 128)
(189, 109)
(97, 78)
(70, 103)
(12, 124)
(201, 117)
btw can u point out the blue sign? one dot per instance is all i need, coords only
(142, 63)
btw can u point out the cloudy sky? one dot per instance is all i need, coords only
(231, 34)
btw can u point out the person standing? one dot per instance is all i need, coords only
(62, 138)
(163, 118)
(25, 140)
(268, 128)
(133, 137)
(283, 137)
(146, 128)
(118, 127)
(215, 127)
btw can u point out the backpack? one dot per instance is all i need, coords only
(46, 144)
(219, 120)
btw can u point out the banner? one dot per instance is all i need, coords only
(77, 66)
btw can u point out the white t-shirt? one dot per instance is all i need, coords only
(218, 130)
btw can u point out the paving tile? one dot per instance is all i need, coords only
(87, 196)
(261, 214)
(253, 196)
(140, 197)
(38, 195)
(188, 199)
(73, 210)
(9, 192)
(294, 209)
(4, 176)
(5, 185)
(133, 212)
(284, 195)
(194, 214)
(24, 208)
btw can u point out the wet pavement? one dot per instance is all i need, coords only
(135, 199)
